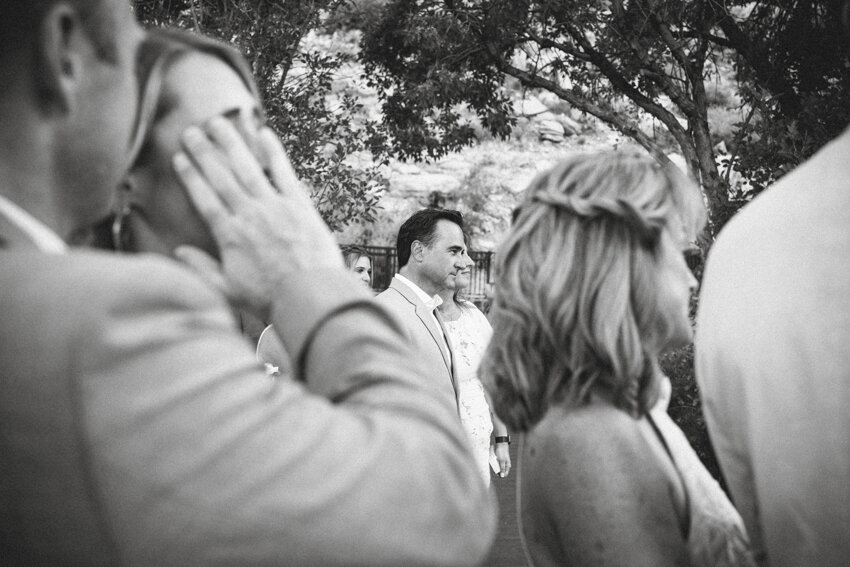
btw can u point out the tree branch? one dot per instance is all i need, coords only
(772, 79)
(675, 47)
(608, 116)
(544, 41)
(622, 85)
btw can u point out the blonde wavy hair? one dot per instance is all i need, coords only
(576, 305)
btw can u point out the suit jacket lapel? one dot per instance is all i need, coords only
(13, 237)
(428, 320)
(448, 341)
(20, 230)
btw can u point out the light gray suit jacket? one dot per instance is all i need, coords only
(137, 428)
(423, 335)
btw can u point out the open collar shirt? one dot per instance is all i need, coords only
(39, 233)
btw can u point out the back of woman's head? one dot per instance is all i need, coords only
(577, 308)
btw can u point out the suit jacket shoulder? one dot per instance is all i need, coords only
(124, 382)
(423, 335)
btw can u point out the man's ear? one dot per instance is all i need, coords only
(416, 250)
(60, 56)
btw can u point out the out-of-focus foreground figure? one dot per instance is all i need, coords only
(136, 427)
(591, 286)
(773, 360)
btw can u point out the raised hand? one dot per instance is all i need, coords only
(265, 226)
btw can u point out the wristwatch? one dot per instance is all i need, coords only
(503, 439)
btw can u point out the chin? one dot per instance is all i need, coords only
(683, 336)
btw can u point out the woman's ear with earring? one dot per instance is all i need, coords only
(122, 211)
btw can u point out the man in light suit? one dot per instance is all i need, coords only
(431, 256)
(773, 358)
(135, 425)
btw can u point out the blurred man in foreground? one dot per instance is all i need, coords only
(773, 362)
(136, 426)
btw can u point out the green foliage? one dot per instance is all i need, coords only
(485, 199)
(321, 128)
(621, 62)
(624, 62)
(414, 55)
(353, 15)
(794, 82)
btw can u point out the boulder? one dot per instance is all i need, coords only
(571, 127)
(423, 183)
(550, 130)
(530, 106)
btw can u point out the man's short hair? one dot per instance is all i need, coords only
(20, 21)
(421, 226)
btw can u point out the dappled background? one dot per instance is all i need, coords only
(386, 106)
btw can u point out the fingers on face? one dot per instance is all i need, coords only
(244, 165)
(205, 199)
(212, 166)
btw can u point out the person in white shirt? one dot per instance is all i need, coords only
(432, 258)
(773, 359)
(773, 362)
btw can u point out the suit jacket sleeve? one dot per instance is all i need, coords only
(198, 458)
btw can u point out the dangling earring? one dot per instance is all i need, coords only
(118, 229)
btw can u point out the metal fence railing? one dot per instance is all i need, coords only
(385, 266)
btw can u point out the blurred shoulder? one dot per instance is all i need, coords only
(391, 297)
(813, 194)
(97, 278)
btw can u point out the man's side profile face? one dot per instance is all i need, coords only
(445, 261)
(95, 86)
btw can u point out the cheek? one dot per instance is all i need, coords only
(172, 213)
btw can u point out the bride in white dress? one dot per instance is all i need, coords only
(469, 332)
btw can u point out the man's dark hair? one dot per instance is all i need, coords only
(20, 21)
(421, 226)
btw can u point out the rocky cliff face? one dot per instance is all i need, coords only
(484, 181)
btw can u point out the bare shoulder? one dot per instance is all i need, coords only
(596, 492)
(585, 439)
(598, 448)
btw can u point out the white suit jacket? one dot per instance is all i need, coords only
(136, 426)
(423, 335)
(773, 361)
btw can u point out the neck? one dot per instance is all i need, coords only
(423, 284)
(26, 180)
(448, 297)
(142, 237)
(448, 308)
(27, 164)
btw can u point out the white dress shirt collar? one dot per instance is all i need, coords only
(39, 233)
(430, 302)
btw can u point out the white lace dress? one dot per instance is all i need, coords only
(469, 335)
